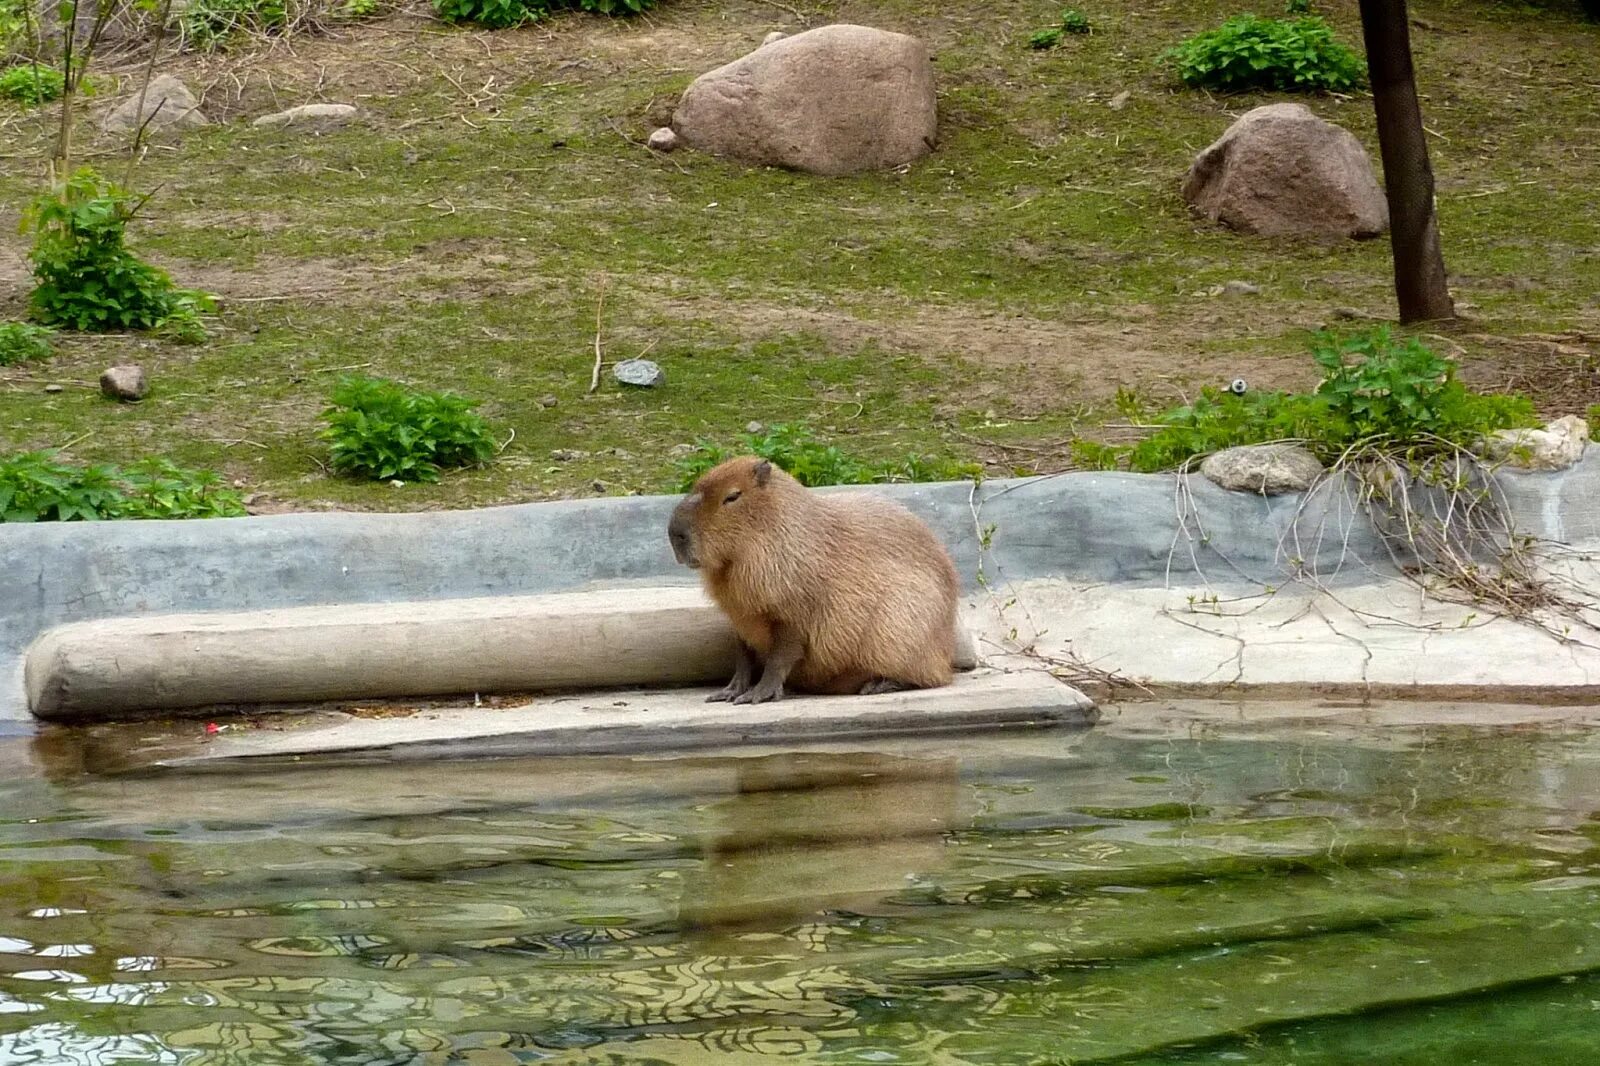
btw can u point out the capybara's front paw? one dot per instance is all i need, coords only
(762, 693)
(729, 693)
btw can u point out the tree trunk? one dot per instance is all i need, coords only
(1419, 278)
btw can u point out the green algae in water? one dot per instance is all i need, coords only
(1333, 901)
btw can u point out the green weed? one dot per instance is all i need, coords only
(87, 278)
(35, 487)
(23, 341)
(1284, 55)
(1375, 388)
(382, 430)
(498, 14)
(31, 84)
(813, 463)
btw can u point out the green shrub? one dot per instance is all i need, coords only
(1297, 7)
(813, 463)
(209, 23)
(22, 341)
(1072, 21)
(87, 278)
(382, 430)
(31, 83)
(357, 9)
(34, 487)
(1247, 52)
(1375, 389)
(498, 14)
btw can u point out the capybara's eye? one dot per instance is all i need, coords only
(730, 497)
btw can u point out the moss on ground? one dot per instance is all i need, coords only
(985, 303)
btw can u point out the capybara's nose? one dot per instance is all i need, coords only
(678, 533)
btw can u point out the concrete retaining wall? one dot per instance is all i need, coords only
(1139, 530)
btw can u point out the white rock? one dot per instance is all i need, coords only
(1555, 447)
(124, 383)
(1267, 469)
(774, 36)
(664, 139)
(321, 115)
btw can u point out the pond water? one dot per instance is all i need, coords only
(1071, 897)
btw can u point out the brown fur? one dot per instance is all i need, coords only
(864, 584)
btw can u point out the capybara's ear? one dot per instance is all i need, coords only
(763, 471)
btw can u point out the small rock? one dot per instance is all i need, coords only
(640, 372)
(664, 139)
(324, 116)
(397, 484)
(598, 486)
(1555, 447)
(547, 402)
(753, 428)
(681, 449)
(567, 455)
(55, 388)
(774, 36)
(1267, 469)
(124, 383)
(168, 104)
(1119, 101)
(1241, 288)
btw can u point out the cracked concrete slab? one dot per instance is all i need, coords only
(617, 722)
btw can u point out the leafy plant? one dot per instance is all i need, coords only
(1375, 388)
(31, 83)
(813, 463)
(87, 278)
(1072, 21)
(382, 430)
(209, 23)
(1249, 52)
(1075, 21)
(1297, 7)
(35, 487)
(22, 341)
(498, 14)
(357, 9)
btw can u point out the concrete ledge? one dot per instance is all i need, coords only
(678, 720)
(1118, 531)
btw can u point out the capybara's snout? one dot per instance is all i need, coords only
(680, 531)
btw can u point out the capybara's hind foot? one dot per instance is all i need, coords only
(879, 685)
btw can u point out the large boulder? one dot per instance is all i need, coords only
(835, 100)
(1282, 171)
(168, 104)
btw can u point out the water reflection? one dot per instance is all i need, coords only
(1088, 898)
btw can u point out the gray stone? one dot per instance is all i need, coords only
(124, 383)
(664, 139)
(52, 387)
(1240, 288)
(316, 116)
(1119, 101)
(835, 100)
(640, 372)
(1555, 447)
(1265, 469)
(774, 37)
(1282, 171)
(753, 427)
(547, 402)
(168, 104)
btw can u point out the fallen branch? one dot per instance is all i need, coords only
(599, 357)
